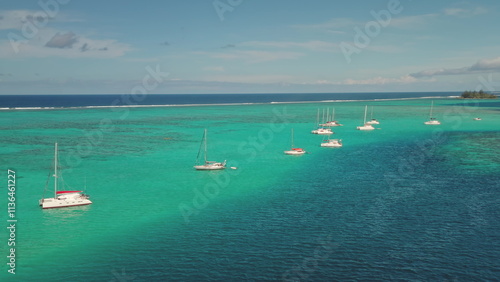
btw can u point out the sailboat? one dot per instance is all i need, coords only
(332, 143)
(365, 126)
(63, 199)
(321, 130)
(295, 151)
(331, 121)
(372, 120)
(207, 165)
(432, 120)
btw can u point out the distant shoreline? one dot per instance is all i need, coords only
(477, 95)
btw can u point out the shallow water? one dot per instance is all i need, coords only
(406, 201)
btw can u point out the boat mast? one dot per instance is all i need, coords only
(205, 145)
(430, 114)
(55, 170)
(333, 114)
(366, 108)
(371, 116)
(292, 134)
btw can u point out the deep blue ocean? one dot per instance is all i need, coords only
(15, 101)
(404, 202)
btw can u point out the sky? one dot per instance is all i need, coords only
(248, 46)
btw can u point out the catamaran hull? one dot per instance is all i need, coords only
(365, 127)
(63, 204)
(65, 199)
(331, 145)
(432, 122)
(203, 167)
(295, 153)
(322, 132)
(71, 205)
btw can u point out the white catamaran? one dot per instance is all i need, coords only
(365, 126)
(331, 143)
(207, 165)
(63, 199)
(321, 130)
(432, 120)
(373, 120)
(295, 151)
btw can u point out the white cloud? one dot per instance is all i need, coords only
(323, 82)
(463, 12)
(391, 49)
(486, 65)
(343, 25)
(214, 68)
(454, 11)
(481, 66)
(410, 22)
(144, 60)
(57, 43)
(331, 26)
(28, 36)
(258, 79)
(66, 40)
(253, 56)
(29, 19)
(313, 45)
(379, 80)
(15, 19)
(480, 11)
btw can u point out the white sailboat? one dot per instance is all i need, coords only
(321, 130)
(432, 120)
(63, 199)
(331, 143)
(207, 165)
(372, 120)
(365, 126)
(295, 151)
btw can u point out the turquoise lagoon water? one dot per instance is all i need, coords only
(403, 202)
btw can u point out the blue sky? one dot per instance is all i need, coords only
(244, 46)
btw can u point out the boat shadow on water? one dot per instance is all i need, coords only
(66, 213)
